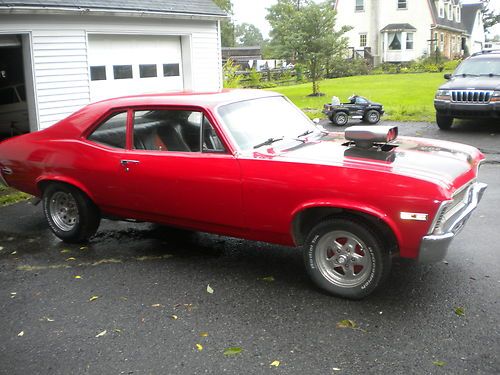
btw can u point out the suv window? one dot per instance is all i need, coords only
(479, 66)
(112, 131)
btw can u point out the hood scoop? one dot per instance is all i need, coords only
(367, 137)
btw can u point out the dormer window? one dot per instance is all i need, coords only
(449, 14)
(441, 9)
(402, 4)
(458, 14)
(360, 5)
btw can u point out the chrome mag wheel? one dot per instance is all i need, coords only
(63, 210)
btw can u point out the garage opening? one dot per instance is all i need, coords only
(14, 115)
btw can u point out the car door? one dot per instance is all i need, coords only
(178, 171)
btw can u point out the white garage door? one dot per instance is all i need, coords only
(134, 64)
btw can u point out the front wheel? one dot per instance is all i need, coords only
(71, 215)
(372, 117)
(444, 122)
(340, 118)
(345, 258)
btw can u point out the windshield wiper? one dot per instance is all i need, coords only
(307, 132)
(269, 141)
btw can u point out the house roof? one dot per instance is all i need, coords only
(181, 7)
(445, 22)
(399, 27)
(469, 12)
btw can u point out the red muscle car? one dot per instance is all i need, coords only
(249, 164)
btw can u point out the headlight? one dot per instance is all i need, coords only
(443, 95)
(495, 97)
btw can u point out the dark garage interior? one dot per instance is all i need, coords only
(13, 106)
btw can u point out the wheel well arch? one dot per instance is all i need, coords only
(305, 220)
(43, 183)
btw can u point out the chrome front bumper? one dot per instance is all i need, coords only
(434, 247)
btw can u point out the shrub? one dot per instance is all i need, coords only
(345, 68)
(231, 77)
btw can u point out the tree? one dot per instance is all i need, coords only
(490, 18)
(304, 32)
(226, 26)
(248, 35)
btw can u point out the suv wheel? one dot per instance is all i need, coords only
(444, 122)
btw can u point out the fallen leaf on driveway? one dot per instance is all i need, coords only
(70, 259)
(65, 251)
(174, 317)
(21, 334)
(93, 298)
(275, 363)
(83, 248)
(459, 311)
(204, 334)
(199, 347)
(347, 323)
(156, 305)
(47, 319)
(78, 277)
(232, 351)
(269, 279)
(100, 334)
(1, 248)
(13, 294)
(335, 369)
(209, 289)
(439, 363)
(14, 253)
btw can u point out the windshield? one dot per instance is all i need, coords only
(482, 66)
(264, 121)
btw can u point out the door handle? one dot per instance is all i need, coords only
(125, 163)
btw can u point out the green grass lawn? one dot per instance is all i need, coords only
(406, 97)
(10, 196)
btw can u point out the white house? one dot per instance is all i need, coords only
(403, 30)
(472, 18)
(69, 53)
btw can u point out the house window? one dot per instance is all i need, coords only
(401, 4)
(362, 40)
(449, 12)
(170, 70)
(395, 41)
(441, 9)
(147, 70)
(458, 14)
(441, 42)
(98, 73)
(360, 5)
(409, 41)
(122, 71)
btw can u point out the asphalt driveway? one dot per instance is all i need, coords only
(135, 301)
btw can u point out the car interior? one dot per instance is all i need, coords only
(161, 130)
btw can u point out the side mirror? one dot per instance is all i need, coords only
(316, 120)
(447, 76)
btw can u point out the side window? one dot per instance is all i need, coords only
(211, 141)
(112, 132)
(173, 130)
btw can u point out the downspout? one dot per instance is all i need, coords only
(375, 29)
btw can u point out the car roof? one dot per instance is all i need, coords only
(187, 98)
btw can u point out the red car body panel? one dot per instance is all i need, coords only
(253, 195)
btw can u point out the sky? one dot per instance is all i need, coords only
(254, 12)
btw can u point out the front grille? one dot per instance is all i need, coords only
(471, 96)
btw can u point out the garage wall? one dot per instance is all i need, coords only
(60, 54)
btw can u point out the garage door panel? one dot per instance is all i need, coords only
(107, 53)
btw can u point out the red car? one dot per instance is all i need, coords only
(249, 164)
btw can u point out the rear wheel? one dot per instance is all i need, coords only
(372, 117)
(71, 215)
(345, 258)
(340, 118)
(444, 122)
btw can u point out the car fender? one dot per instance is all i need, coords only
(350, 205)
(66, 180)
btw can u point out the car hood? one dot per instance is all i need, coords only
(472, 83)
(445, 163)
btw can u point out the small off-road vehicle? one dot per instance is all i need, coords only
(358, 107)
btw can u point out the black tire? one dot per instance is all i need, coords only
(372, 117)
(444, 122)
(340, 118)
(71, 215)
(352, 269)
